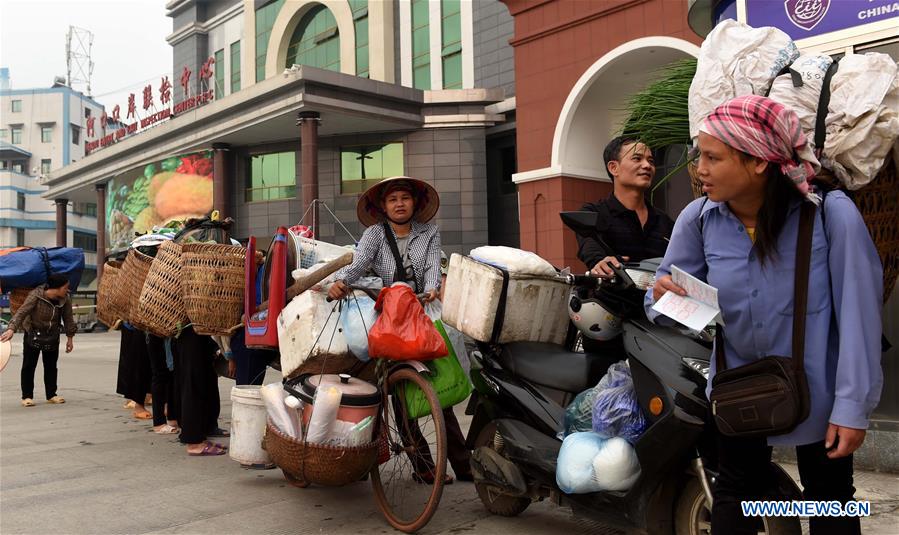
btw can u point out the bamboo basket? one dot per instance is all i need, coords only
(129, 285)
(17, 298)
(304, 463)
(161, 303)
(212, 284)
(107, 285)
(878, 203)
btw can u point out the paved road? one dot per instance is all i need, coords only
(87, 467)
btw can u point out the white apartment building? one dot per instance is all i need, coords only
(42, 130)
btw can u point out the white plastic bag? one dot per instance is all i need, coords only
(324, 413)
(513, 260)
(574, 468)
(616, 466)
(356, 319)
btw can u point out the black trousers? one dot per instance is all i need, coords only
(198, 384)
(135, 375)
(29, 365)
(745, 474)
(162, 385)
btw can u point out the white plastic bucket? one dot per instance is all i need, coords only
(247, 426)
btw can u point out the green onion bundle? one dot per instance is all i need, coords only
(659, 114)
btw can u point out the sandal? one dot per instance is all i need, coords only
(210, 449)
(219, 432)
(428, 478)
(145, 415)
(129, 405)
(28, 402)
(56, 400)
(167, 429)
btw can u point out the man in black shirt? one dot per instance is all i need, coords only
(628, 226)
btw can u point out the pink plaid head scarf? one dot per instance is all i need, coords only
(768, 130)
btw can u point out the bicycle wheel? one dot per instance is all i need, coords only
(408, 479)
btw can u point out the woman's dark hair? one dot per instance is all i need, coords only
(779, 194)
(56, 280)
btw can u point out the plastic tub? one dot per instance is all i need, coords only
(248, 419)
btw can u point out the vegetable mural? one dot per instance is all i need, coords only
(173, 189)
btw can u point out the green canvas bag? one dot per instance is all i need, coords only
(447, 377)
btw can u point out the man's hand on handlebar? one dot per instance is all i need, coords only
(603, 268)
(338, 290)
(664, 285)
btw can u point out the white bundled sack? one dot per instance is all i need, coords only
(513, 260)
(736, 60)
(307, 328)
(590, 463)
(803, 100)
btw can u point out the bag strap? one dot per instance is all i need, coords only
(400, 273)
(823, 106)
(800, 293)
(500, 317)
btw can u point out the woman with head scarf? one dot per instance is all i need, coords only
(755, 165)
(399, 209)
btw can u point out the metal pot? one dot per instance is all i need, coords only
(359, 398)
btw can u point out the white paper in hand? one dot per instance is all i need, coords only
(695, 310)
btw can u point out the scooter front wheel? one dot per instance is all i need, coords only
(491, 496)
(693, 515)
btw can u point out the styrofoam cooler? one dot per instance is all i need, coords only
(299, 326)
(535, 311)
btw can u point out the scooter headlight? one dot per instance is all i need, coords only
(700, 366)
(643, 280)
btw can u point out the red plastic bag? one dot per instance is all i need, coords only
(403, 331)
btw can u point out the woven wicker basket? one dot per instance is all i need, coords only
(130, 283)
(878, 203)
(212, 283)
(161, 303)
(17, 297)
(108, 282)
(329, 466)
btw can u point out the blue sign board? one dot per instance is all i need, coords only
(806, 18)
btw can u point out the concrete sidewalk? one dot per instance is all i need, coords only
(88, 467)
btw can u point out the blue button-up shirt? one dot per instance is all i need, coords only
(843, 325)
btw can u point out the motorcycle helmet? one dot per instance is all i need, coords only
(594, 321)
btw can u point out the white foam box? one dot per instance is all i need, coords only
(307, 328)
(536, 307)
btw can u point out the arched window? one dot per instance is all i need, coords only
(316, 41)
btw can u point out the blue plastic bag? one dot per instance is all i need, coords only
(616, 411)
(589, 463)
(356, 319)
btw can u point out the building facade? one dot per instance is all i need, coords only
(42, 131)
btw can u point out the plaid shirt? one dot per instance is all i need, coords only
(373, 253)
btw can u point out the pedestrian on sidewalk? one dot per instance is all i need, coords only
(44, 311)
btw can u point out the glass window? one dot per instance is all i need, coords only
(421, 45)
(45, 166)
(219, 73)
(889, 47)
(360, 18)
(272, 176)
(4, 133)
(83, 240)
(315, 41)
(20, 237)
(16, 135)
(87, 112)
(18, 167)
(451, 47)
(4, 164)
(76, 135)
(363, 165)
(16, 106)
(46, 134)
(235, 66)
(87, 277)
(265, 19)
(20, 201)
(90, 209)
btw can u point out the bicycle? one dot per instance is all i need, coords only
(408, 478)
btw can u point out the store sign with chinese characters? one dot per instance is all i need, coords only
(151, 114)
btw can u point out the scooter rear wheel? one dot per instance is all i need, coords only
(493, 499)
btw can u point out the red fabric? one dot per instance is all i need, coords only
(403, 331)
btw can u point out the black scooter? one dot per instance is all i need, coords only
(521, 390)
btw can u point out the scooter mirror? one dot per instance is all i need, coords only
(582, 223)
